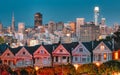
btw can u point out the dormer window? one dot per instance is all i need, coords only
(24, 53)
(8, 54)
(41, 51)
(80, 49)
(61, 50)
(102, 47)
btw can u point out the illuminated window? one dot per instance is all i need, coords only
(105, 56)
(116, 55)
(102, 47)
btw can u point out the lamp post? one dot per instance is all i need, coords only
(36, 69)
(76, 66)
(97, 64)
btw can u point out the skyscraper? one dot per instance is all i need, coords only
(1, 27)
(89, 32)
(96, 14)
(37, 20)
(21, 27)
(79, 22)
(13, 23)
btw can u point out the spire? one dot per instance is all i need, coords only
(13, 22)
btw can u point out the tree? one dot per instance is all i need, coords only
(87, 69)
(109, 67)
(68, 69)
(1, 40)
(23, 72)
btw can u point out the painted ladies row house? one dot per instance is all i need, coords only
(57, 54)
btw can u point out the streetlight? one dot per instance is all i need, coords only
(76, 66)
(36, 68)
(98, 64)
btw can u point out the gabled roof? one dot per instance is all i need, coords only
(32, 49)
(70, 46)
(49, 48)
(14, 50)
(102, 43)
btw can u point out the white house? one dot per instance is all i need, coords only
(81, 55)
(102, 53)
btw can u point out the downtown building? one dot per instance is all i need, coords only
(89, 32)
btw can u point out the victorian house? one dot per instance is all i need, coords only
(102, 53)
(23, 58)
(42, 57)
(81, 55)
(61, 55)
(8, 58)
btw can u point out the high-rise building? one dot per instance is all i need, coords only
(79, 22)
(96, 14)
(1, 27)
(37, 20)
(73, 26)
(60, 26)
(21, 27)
(89, 32)
(51, 26)
(13, 23)
(103, 29)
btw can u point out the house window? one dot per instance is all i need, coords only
(76, 59)
(61, 50)
(88, 58)
(56, 58)
(99, 57)
(41, 51)
(102, 47)
(83, 59)
(80, 49)
(68, 59)
(8, 54)
(64, 57)
(105, 56)
(24, 53)
(94, 57)
(116, 55)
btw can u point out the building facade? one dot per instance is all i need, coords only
(89, 32)
(37, 20)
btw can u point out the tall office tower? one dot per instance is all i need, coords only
(37, 20)
(96, 14)
(89, 32)
(60, 26)
(51, 26)
(21, 27)
(79, 22)
(13, 23)
(1, 27)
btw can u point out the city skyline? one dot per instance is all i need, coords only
(58, 10)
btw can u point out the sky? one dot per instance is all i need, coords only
(58, 10)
